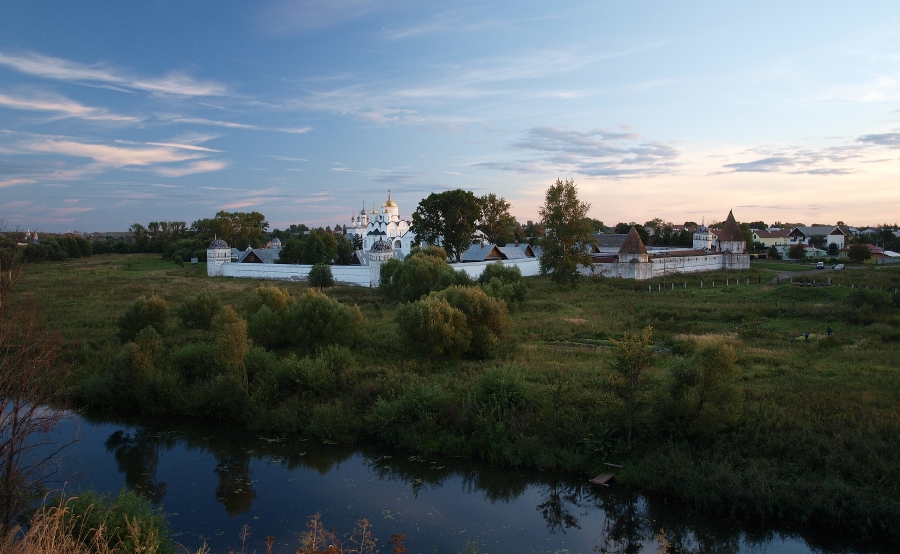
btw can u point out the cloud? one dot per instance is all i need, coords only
(599, 152)
(302, 16)
(230, 124)
(113, 156)
(891, 140)
(14, 182)
(195, 167)
(63, 106)
(175, 83)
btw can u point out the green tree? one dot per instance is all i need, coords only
(497, 224)
(344, 250)
(433, 327)
(859, 252)
(797, 252)
(447, 219)
(565, 247)
(291, 252)
(144, 312)
(320, 276)
(773, 253)
(316, 321)
(319, 247)
(234, 344)
(486, 318)
(423, 271)
(199, 311)
(704, 395)
(631, 361)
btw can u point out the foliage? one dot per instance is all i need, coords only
(319, 247)
(320, 276)
(199, 311)
(233, 344)
(497, 224)
(423, 271)
(238, 229)
(773, 253)
(703, 395)
(126, 524)
(859, 252)
(486, 318)
(504, 282)
(56, 248)
(316, 321)
(797, 252)
(291, 252)
(631, 361)
(144, 312)
(278, 299)
(447, 219)
(565, 247)
(344, 250)
(432, 327)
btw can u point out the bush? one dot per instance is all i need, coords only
(145, 312)
(199, 311)
(267, 328)
(130, 523)
(196, 362)
(432, 327)
(267, 295)
(486, 317)
(422, 272)
(320, 276)
(503, 282)
(316, 321)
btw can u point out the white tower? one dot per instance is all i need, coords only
(381, 252)
(217, 255)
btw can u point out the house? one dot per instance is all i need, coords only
(770, 238)
(486, 252)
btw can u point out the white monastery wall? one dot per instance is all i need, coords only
(352, 274)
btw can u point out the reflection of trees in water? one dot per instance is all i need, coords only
(137, 456)
(559, 499)
(235, 489)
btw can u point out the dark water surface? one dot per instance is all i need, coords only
(211, 480)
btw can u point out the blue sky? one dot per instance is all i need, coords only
(113, 113)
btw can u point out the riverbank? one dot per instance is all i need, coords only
(812, 438)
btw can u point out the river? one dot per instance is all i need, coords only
(211, 480)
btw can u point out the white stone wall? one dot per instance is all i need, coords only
(670, 265)
(352, 274)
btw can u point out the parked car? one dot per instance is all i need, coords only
(820, 265)
(838, 267)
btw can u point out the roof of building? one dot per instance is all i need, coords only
(633, 243)
(389, 203)
(381, 246)
(605, 239)
(775, 234)
(218, 243)
(480, 252)
(730, 230)
(264, 255)
(518, 251)
(821, 230)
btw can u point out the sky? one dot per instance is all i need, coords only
(114, 113)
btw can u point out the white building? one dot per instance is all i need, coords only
(385, 225)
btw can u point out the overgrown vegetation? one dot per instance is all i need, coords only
(743, 404)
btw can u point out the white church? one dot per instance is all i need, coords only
(375, 226)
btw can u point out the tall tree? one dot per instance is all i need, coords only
(565, 247)
(447, 219)
(632, 359)
(497, 224)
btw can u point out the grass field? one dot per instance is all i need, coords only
(816, 438)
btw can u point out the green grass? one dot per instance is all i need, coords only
(817, 441)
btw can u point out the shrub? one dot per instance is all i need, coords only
(129, 522)
(316, 321)
(320, 276)
(266, 328)
(196, 362)
(199, 311)
(145, 312)
(277, 299)
(432, 327)
(422, 272)
(486, 317)
(503, 282)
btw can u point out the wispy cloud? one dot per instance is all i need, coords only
(202, 166)
(48, 67)
(14, 182)
(64, 107)
(891, 140)
(230, 124)
(113, 156)
(302, 16)
(599, 152)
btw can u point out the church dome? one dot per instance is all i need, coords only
(218, 243)
(381, 246)
(389, 203)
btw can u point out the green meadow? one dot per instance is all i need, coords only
(805, 431)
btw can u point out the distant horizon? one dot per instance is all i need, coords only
(303, 110)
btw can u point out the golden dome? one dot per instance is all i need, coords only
(389, 203)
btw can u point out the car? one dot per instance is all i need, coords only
(838, 267)
(820, 265)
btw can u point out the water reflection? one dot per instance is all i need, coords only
(607, 520)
